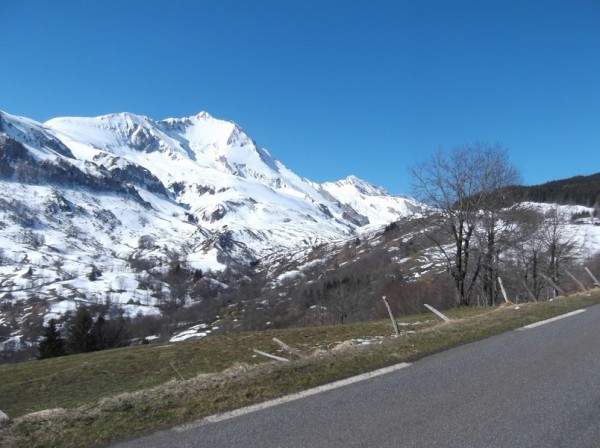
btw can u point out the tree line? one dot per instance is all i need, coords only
(85, 334)
(578, 190)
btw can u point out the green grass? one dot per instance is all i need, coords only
(79, 379)
(117, 393)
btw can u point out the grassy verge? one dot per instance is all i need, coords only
(99, 397)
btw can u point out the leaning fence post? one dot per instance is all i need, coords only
(529, 293)
(268, 355)
(394, 323)
(596, 282)
(554, 285)
(440, 315)
(581, 286)
(503, 290)
(287, 348)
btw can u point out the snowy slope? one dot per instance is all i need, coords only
(102, 210)
(226, 181)
(63, 218)
(373, 203)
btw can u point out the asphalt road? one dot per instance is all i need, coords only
(537, 387)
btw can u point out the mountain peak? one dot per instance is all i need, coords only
(362, 186)
(128, 117)
(201, 153)
(204, 115)
(201, 116)
(353, 180)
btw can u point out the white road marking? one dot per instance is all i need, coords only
(292, 397)
(547, 321)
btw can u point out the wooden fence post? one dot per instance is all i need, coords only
(394, 323)
(554, 285)
(287, 348)
(581, 286)
(440, 315)
(268, 355)
(529, 293)
(503, 290)
(596, 282)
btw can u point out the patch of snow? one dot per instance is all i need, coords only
(192, 332)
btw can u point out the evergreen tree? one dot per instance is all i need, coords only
(52, 345)
(80, 339)
(110, 333)
(99, 334)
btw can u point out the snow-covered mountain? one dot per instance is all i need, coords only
(190, 219)
(91, 207)
(226, 182)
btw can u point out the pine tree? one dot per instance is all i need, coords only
(52, 345)
(110, 333)
(80, 339)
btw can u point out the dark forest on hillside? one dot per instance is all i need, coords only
(578, 190)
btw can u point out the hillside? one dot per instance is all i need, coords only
(138, 217)
(578, 190)
(185, 228)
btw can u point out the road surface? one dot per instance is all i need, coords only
(536, 387)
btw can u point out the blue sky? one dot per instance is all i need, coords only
(330, 87)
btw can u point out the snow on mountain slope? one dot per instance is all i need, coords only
(584, 231)
(106, 210)
(33, 135)
(225, 180)
(72, 230)
(374, 203)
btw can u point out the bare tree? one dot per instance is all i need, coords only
(345, 301)
(463, 186)
(547, 247)
(502, 229)
(561, 245)
(528, 253)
